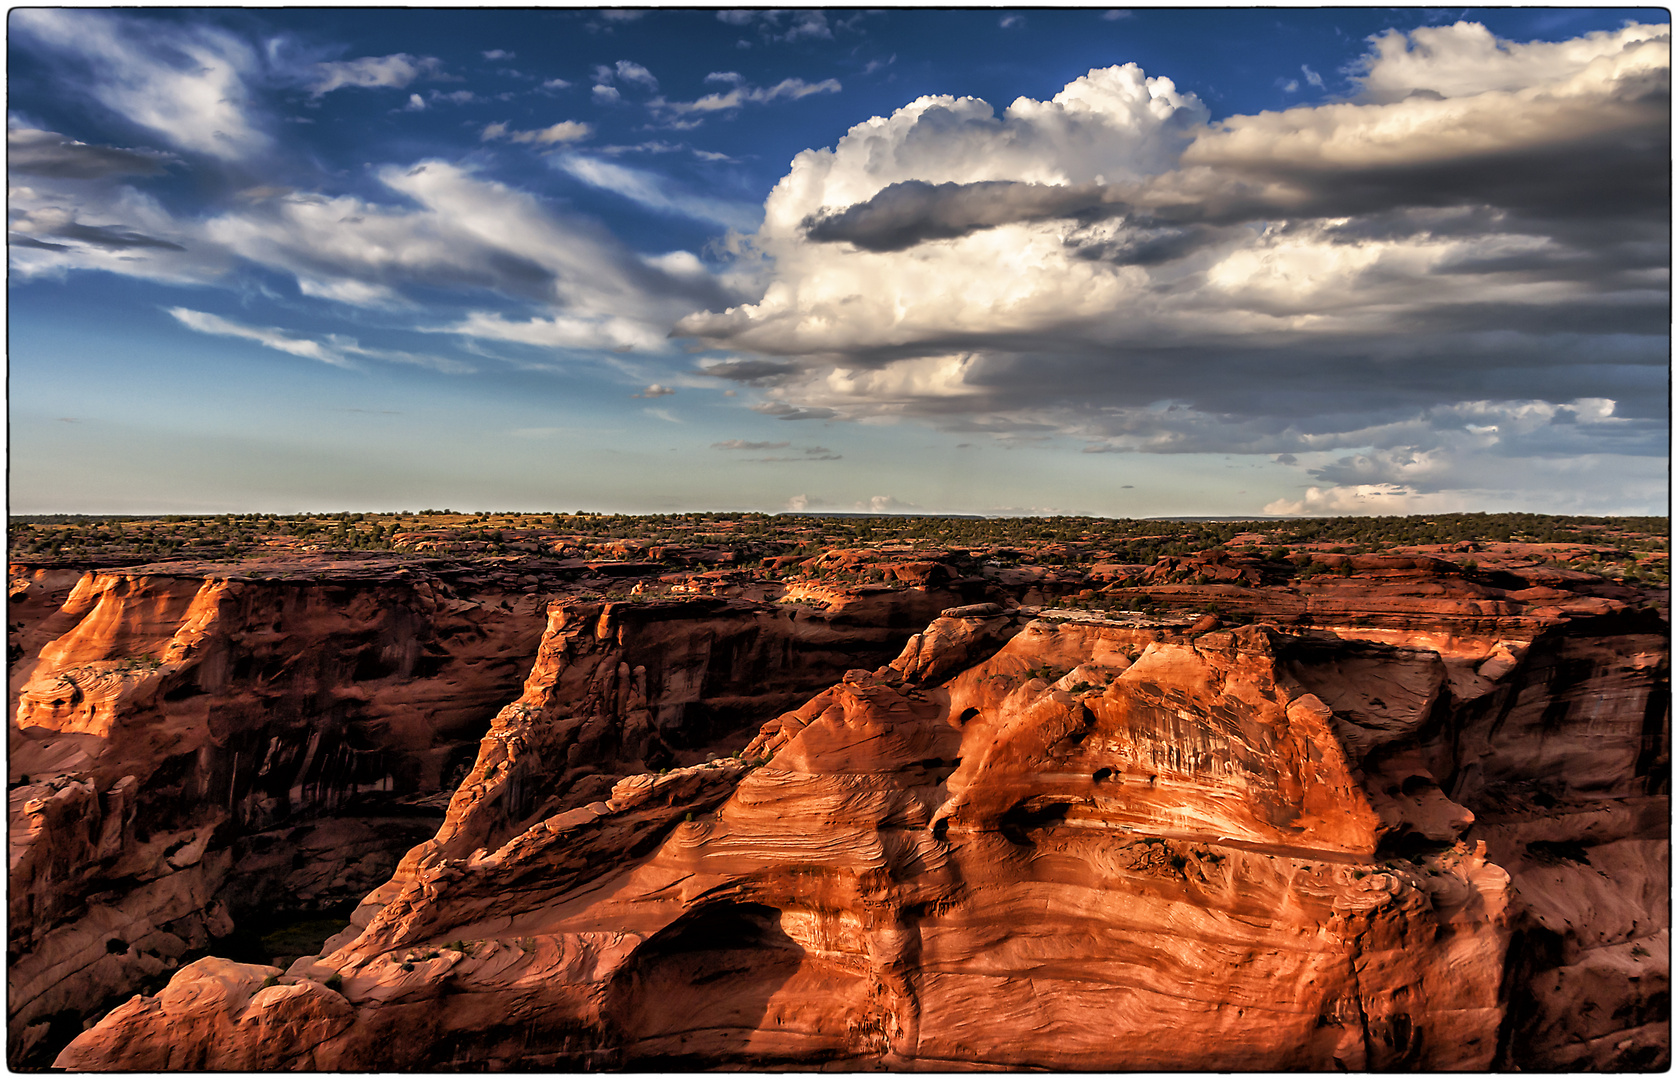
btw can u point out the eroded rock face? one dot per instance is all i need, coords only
(1072, 843)
(188, 749)
(1571, 786)
(1416, 819)
(618, 688)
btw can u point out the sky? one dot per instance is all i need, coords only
(1124, 263)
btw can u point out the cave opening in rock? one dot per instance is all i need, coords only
(695, 992)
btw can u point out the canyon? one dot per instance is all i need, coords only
(876, 806)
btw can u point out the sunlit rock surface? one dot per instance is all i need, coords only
(1067, 841)
(191, 752)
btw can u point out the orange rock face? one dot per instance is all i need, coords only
(170, 734)
(189, 750)
(1057, 842)
(1410, 819)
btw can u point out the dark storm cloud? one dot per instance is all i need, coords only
(1598, 159)
(913, 211)
(1587, 174)
(750, 372)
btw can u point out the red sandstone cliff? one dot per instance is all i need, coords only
(1071, 842)
(187, 750)
(170, 733)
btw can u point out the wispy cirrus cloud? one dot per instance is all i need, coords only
(654, 192)
(332, 349)
(776, 24)
(566, 131)
(740, 95)
(187, 85)
(743, 444)
(442, 227)
(34, 152)
(396, 71)
(807, 454)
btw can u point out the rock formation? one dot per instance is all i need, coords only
(192, 751)
(186, 750)
(1407, 823)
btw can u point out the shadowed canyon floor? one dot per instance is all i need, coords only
(845, 801)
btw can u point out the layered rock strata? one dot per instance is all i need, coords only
(618, 688)
(1067, 842)
(187, 749)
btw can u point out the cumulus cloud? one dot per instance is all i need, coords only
(1481, 227)
(629, 71)
(1465, 60)
(911, 212)
(656, 390)
(1591, 483)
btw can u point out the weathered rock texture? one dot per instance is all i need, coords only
(1067, 842)
(618, 688)
(187, 751)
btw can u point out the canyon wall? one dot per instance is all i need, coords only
(193, 752)
(188, 750)
(1419, 825)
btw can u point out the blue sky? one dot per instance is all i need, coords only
(1115, 262)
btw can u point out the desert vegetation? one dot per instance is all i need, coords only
(1632, 549)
